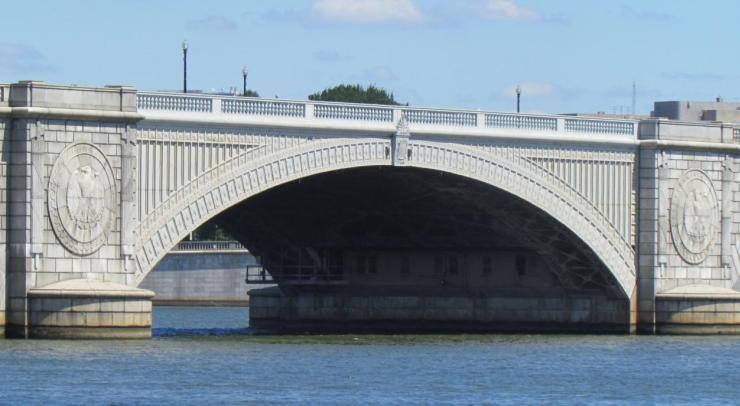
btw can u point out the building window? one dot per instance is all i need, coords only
(439, 265)
(372, 264)
(487, 265)
(520, 264)
(405, 265)
(452, 265)
(361, 262)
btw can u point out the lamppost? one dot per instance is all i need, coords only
(518, 97)
(244, 76)
(185, 66)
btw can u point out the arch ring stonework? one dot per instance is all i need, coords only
(82, 198)
(694, 216)
(499, 171)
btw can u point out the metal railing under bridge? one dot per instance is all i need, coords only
(209, 246)
(303, 274)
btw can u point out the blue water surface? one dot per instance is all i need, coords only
(209, 356)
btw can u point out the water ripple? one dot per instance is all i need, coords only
(209, 355)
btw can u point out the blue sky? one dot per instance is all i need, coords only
(567, 55)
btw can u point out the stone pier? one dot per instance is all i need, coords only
(689, 227)
(67, 187)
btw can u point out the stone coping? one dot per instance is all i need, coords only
(699, 292)
(89, 288)
(68, 113)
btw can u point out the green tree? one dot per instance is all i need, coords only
(210, 231)
(251, 93)
(355, 94)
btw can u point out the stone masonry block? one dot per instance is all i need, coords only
(112, 306)
(53, 304)
(133, 305)
(86, 305)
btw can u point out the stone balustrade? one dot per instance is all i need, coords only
(576, 125)
(521, 121)
(353, 112)
(183, 103)
(259, 107)
(153, 103)
(441, 118)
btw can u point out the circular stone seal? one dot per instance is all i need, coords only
(82, 198)
(694, 216)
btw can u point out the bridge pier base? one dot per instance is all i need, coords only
(344, 312)
(89, 309)
(698, 309)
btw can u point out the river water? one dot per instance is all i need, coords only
(208, 356)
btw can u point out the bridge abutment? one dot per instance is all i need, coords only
(347, 312)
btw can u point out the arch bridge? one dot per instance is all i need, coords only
(367, 216)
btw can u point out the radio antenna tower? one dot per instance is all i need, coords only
(634, 96)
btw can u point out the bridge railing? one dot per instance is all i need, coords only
(209, 246)
(231, 107)
(4, 94)
(256, 274)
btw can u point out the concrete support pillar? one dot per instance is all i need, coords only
(19, 260)
(4, 135)
(648, 239)
(728, 169)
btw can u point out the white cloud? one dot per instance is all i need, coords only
(508, 10)
(213, 23)
(693, 76)
(19, 58)
(329, 56)
(368, 11)
(646, 15)
(530, 89)
(380, 74)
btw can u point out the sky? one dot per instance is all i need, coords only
(566, 55)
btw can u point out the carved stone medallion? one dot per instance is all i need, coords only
(694, 216)
(82, 198)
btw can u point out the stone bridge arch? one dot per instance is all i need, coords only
(246, 175)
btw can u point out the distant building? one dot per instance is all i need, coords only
(698, 111)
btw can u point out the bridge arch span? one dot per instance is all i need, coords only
(244, 176)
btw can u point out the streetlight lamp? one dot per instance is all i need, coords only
(518, 97)
(244, 76)
(185, 66)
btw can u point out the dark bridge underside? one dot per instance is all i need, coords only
(408, 232)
